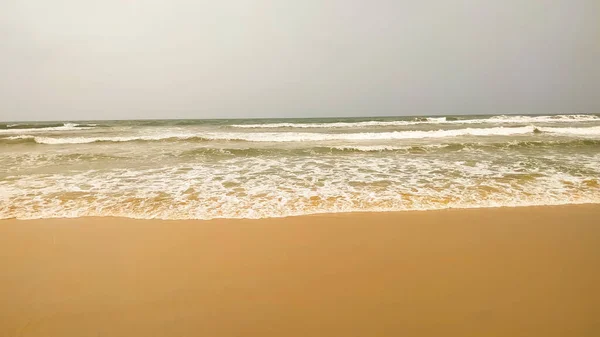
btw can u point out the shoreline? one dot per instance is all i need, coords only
(518, 271)
(344, 214)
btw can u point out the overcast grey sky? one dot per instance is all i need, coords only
(120, 59)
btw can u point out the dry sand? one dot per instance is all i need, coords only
(483, 272)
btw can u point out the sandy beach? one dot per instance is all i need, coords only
(531, 271)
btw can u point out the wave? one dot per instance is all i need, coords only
(277, 137)
(20, 139)
(312, 150)
(409, 149)
(305, 151)
(589, 131)
(548, 119)
(16, 128)
(21, 126)
(88, 140)
(325, 125)
(395, 135)
(466, 146)
(502, 119)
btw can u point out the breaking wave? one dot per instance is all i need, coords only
(503, 119)
(277, 137)
(18, 128)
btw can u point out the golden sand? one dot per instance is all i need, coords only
(483, 272)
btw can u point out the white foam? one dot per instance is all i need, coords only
(84, 140)
(436, 120)
(382, 148)
(294, 136)
(116, 139)
(589, 131)
(544, 119)
(274, 187)
(502, 119)
(277, 137)
(324, 125)
(370, 148)
(65, 127)
(302, 137)
(20, 137)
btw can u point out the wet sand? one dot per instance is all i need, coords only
(531, 271)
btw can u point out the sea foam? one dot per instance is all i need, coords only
(503, 119)
(277, 137)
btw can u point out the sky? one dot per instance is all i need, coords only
(125, 59)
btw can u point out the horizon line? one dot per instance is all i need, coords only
(306, 118)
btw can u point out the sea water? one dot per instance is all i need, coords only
(256, 168)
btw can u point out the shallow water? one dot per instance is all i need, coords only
(202, 169)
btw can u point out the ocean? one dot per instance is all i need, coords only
(257, 168)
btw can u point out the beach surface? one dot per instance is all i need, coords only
(527, 271)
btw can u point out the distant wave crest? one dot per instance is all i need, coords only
(33, 128)
(502, 119)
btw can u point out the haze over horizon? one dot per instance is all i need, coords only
(85, 60)
(340, 117)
